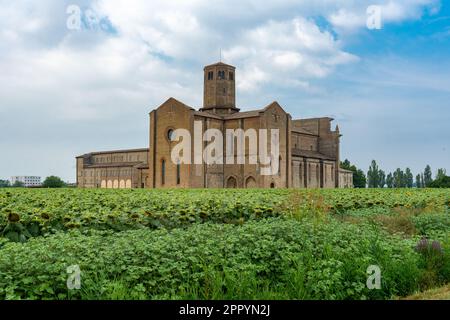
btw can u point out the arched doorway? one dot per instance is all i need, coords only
(128, 184)
(231, 183)
(272, 185)
(250, 183)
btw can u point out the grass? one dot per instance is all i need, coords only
(434, 294)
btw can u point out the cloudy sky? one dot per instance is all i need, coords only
(65, 91)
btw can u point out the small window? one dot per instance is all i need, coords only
(210, 75)
(163, 172)
(279, 165)
(221, 75)
(231, 76)
(224, 90)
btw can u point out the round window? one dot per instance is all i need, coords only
(171, 135)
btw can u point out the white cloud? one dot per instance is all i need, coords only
(347, 20)
(289, 51)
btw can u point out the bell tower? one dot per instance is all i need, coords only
(219, 95)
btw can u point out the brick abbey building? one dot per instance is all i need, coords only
(309, 148)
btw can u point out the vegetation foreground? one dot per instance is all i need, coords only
(223, 244)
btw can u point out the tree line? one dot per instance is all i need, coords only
(377, 178)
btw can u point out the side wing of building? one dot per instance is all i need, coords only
(345, 179)
(315, 154)
(118, 169)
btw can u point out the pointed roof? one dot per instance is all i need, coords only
(173, 100)
(275, 104)
(220, 64)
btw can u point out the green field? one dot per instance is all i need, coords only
(223, 244)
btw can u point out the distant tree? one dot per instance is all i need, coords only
(399, 178)
(390, 180)
(409, 178)
(422, 181)
(427, 176)
(18, 184)
(418, 181)
(441, 182)
(373, 175)
(359, 178)
(381, 179)
(346, 165)
(53, 182)
(441, 173)
(4, 184)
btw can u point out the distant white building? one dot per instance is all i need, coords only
(28, 181)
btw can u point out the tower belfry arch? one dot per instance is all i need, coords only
(219, 95)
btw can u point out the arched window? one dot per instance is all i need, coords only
(163, 172)
(250, 183)
(279, 165)
(301, 173)
(231, 183)
(178, 173)
(170, 134)
(221, 75)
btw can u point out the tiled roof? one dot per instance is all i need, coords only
(303, 131)
(207, 115)
(245, 114)
(114, 164)
(311, 154)
(113, 151)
